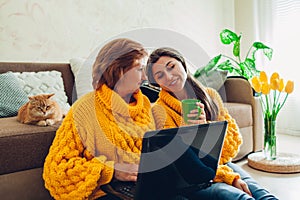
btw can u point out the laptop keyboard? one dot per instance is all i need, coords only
(125, 188)
(128, 190)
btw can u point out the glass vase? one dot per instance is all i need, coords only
(270, 150)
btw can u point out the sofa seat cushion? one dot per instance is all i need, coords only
(23, 146)
(247, 145)
(27, 184)
(242, 113)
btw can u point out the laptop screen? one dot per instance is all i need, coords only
(179, 158)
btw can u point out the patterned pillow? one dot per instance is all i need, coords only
(82, 70)
(34, 83)
(12, 97)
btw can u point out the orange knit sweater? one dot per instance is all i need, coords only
(99, 130)
(167, 114)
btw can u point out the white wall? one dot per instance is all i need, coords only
(55, 30)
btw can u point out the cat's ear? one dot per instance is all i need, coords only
(50, 95)
(31, 98)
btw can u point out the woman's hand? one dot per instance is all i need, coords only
(194, 113)
(126, 172)
(242, 185)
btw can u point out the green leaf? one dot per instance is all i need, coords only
(248, 68)
(236, 47)
(242, 66)
(259, 45)
(253, 54)
(210, 65)
(199, 72)
(250, 63)
(268, 52)
(227, 36)
(226, 66)
(236, 71)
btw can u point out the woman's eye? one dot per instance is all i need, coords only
(141, 68)
(170, 67)
(159, 76)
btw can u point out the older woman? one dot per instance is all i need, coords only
(100, 137)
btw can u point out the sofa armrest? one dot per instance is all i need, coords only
(258, 133)
(237, 90)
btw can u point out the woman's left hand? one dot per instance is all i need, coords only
(202, 117)
(125, 172)
(242, 185)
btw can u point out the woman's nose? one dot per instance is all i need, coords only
(168, 76)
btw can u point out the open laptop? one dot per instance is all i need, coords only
(174, 162)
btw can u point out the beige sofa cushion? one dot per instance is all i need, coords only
(242, 113)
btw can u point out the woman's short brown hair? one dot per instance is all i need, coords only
(115, 59)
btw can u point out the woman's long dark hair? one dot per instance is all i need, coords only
(193, 86)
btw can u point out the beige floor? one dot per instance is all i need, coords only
(284, 186)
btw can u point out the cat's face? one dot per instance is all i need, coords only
(41, 105)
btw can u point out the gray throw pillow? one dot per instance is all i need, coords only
(12, 97)
(214, 79)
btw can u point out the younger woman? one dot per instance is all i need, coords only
(167, 69)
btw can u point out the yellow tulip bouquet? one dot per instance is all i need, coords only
(273, 95)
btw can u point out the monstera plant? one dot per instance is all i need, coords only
(236, 65)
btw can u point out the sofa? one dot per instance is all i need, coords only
(240, 100)
(24, 147)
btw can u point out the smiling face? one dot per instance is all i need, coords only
(131, 81)
(169, 74)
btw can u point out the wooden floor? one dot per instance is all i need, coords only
(284, 186)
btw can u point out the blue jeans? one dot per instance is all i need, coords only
(257, 191)
(218, 191)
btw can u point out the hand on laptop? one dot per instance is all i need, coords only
(242, 185)
(126, 172)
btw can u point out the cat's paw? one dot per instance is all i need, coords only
(50, 121)
(42, 123)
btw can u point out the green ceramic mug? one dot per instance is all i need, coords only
(187, 106)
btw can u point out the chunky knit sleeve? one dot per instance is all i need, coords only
(71, 172)
(232, 141)
(159, 115)
(163, 116)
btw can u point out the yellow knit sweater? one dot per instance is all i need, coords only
(167, 114)
(99, 130)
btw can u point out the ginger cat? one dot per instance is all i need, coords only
(40, 110)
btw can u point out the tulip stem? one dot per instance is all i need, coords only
(267, 102)
(283, 102)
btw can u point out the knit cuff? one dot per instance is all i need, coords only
(230, 178)
(225, 174)
(106, 173)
